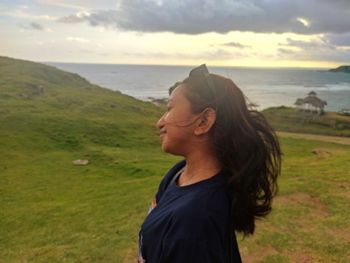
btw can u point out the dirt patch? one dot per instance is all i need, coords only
(343, 187)
(341, 233)
(301, 256)
(321, 152)
(258, 254)
(301, 198)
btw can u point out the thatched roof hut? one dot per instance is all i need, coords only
(311, 102)
(315, 101)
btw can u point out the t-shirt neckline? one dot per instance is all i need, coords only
(196, 184)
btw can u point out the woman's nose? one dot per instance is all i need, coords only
(160, 122)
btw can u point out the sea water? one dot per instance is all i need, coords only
(265, 87)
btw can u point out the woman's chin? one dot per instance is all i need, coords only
(164, 147)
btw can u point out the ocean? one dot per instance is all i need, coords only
(265, 87)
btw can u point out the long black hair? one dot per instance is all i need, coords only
(245, 144)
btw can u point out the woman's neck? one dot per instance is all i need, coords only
(200, 165)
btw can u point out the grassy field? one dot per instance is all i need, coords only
(53, 211)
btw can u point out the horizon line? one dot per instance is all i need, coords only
(180, 65)
(189, 65)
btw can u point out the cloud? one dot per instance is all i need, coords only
(320, 44)
(23, 13)
(339, 40)
(87, 42)
(342, 56)
(318, 50)
(305, 22)
(33, 26)
(60, 3)
(214, 54)
(36, 26)
(284, 51)
(77, 39)
(78, 4)
(236, 45)
(76, 18)
(222, 16)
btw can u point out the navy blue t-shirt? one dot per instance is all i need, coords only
(189, 223)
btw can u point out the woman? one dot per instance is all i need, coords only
(226, 181)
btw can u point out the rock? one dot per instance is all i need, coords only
(81, 162)
(321, 152)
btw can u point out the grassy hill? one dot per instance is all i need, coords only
(345, 69)
(293, 120)
(53, 211)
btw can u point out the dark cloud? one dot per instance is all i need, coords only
(236, 45)
(320, 44)
(36, 26)
(222, 16)
(33, 26)
(318, 50)
(284, 51)
(339, 40)
(341, 56)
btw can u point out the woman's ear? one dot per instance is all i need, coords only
(205, 122)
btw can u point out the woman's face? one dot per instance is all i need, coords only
(176, 126)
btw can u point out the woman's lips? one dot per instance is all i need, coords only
(161, 134)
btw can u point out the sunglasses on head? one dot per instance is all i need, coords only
(202, 72)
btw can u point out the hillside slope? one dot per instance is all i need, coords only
(345, 69)
(46, 102)
(51, 210)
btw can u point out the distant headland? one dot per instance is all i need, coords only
(345, 69)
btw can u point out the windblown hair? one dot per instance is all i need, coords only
(245, 144)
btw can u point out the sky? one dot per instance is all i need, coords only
(244, 33)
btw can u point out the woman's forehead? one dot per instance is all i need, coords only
(177, 94)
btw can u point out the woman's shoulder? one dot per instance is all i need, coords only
(166, 180)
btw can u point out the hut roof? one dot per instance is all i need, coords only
(312, 93)
(315, 101)
(299, 102)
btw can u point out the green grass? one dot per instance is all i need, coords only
(310, 217)
(294, 120)
(53, 211)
